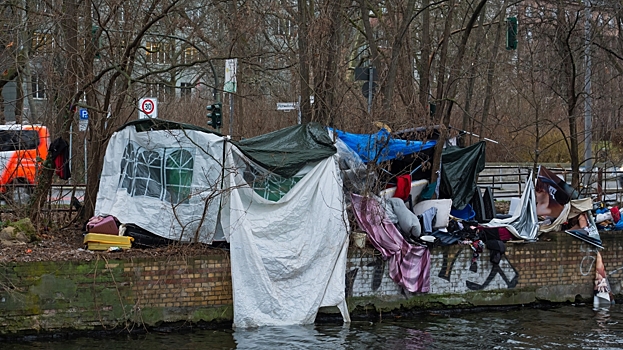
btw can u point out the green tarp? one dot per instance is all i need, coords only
(459, 169)
(288, 150)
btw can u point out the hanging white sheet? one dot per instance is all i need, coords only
(288, 256)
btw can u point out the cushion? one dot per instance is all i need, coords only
(443, 210)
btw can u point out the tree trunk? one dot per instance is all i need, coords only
(64, 103)
(303, 42)
(570, 96)
(446, 102)
(491, 70)
(388, 91)
(472, 79)
(325, 94)
(19, 99)
(425, 59)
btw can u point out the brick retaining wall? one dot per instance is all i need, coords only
(558, 268)
(49, 296)
(101, 294)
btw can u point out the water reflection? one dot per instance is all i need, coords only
(574, 327)
(297, 337)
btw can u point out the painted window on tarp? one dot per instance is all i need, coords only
(127, 167)
(266, 184)
(162, 173)
(178, 176)
(148, 174)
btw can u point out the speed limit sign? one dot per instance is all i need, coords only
(148, 108)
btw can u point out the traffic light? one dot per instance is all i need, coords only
(511, 33)
(215, 116)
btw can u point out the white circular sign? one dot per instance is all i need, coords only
(148, 106)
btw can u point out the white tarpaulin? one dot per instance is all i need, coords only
(161, 181)
(523, 223)
(288, 253)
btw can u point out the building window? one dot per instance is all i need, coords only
(38, 87)
(42, 43)
(185, 90)
(156, 52)
(284, 27)
(159, 90)
(190, 55)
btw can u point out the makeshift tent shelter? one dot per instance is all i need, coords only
(164, 177)
(288, 233)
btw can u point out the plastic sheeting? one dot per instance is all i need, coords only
(460, 167)
(162, 180)
(288, 150)
(288, 257)
(523, 223)
(380, 147)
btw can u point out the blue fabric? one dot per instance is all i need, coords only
(602, 210)
(619, 225)
(381, 146)
(466, 213)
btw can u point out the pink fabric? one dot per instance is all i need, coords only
(505, 234)
(409, 265)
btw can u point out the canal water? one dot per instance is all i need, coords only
(564, 327)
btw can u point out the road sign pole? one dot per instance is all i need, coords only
(71, 136)
(370, 87)
(298, 108)
(231, 113)
(85, 158)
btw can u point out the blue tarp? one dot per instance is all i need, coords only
(381, 146)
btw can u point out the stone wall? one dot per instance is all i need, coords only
(102, 294)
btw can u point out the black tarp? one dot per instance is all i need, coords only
(459, 169)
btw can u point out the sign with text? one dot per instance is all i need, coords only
(83, 123)
(231, 65)
(148, 108)
(286, 106)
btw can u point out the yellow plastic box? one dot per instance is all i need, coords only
(100, 241)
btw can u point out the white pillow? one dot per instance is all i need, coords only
(443, 210)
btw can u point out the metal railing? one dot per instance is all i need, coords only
(506, 181)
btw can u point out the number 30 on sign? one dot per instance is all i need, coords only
(148, 108)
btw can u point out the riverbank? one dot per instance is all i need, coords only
(123, 293)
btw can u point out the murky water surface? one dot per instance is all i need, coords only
(566, 327)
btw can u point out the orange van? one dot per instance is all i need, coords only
(22, 149)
